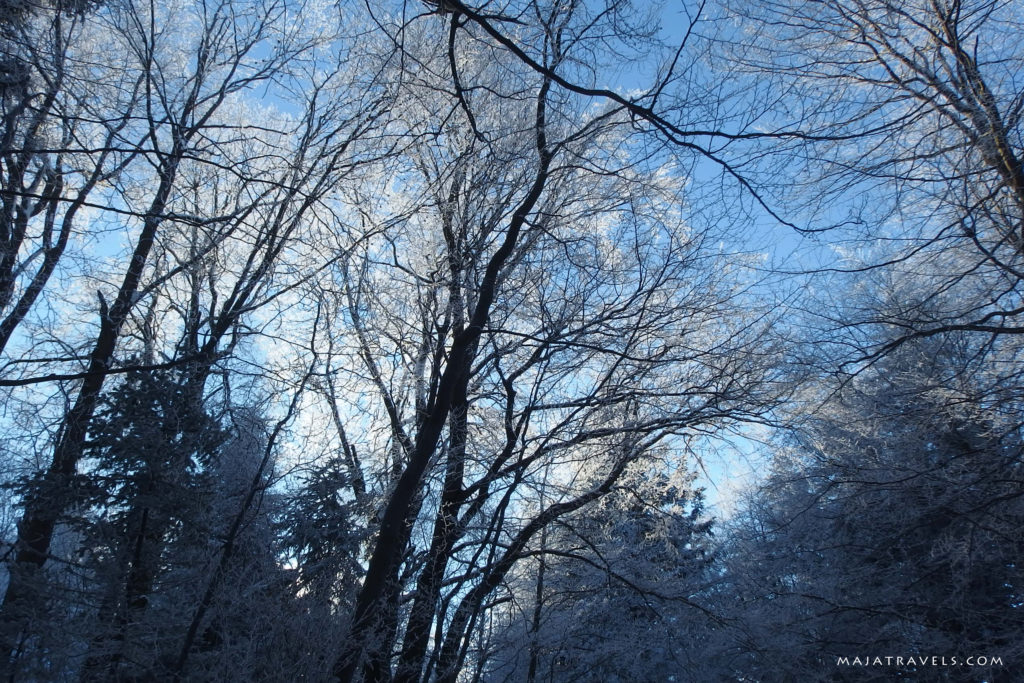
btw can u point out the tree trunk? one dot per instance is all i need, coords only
(445, 534)
(367, 631)
(45, 506)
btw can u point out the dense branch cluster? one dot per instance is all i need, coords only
(386, 342)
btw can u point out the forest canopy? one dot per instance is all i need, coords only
(405, 341)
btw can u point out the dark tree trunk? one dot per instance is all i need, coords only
(377, 591)
(45, 507)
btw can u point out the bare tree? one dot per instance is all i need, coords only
(531, 300)
(231, 195)
(912, 153)
(525, 298)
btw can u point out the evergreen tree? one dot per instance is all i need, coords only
(614, 589)
(152, 447)
(889, 525)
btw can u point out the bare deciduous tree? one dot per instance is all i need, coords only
(531, 300)
(211, 197)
